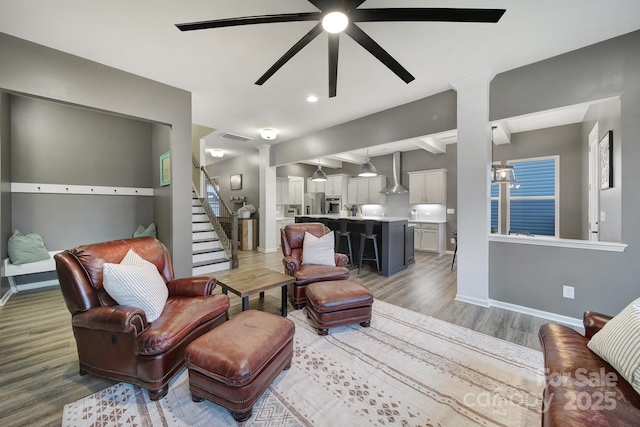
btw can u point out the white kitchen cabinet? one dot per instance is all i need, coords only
(315, 186)
(282, 191)
(295, 191)
(336, 185)
(363, 191)
(429, 237)
(428, 186)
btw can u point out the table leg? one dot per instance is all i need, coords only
(261, 294)
(245, 303)
(224, 291)
(284, 300)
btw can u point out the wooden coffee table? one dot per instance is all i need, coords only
(245, 283)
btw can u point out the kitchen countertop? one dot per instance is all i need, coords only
(375, 218)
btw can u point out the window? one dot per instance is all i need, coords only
(533, 200)
(495, 208)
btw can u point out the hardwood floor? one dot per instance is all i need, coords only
(38, 359)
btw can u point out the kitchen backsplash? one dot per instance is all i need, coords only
(397, 205)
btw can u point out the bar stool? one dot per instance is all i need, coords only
(366, 233)
(340, 232)
(454, 234)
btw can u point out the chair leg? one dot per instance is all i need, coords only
(375, 248)
(362, 240)
(350, 251)
(454, 256)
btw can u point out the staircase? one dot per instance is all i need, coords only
(208, 254)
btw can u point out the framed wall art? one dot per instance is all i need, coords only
(165, 169)
(605, 148)
(235, 182)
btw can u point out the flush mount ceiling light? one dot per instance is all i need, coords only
(216, 153)
(319, 175)
(335, 22)
(269, 134)
(312, 98)
(501, 174)
(368, 170)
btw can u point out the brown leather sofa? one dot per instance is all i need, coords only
(581, 388)
(292, 236)
(118, 342)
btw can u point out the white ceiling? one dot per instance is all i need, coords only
(220, 66)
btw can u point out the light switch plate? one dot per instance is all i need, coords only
(451, 211)
(568, 292)
(603, 216)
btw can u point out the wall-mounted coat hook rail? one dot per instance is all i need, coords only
(25, 187)
(237, 199)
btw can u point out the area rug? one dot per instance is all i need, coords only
(407, 369)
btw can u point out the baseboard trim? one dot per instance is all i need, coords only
(265, 250)
(472, 300)
(559, 318)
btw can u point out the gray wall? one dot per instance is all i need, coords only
(607, 114)
(533, 276)
(52, 143)
(161, 135)
(249, 167)
(5, 179)
(34, 70)
(563, 141)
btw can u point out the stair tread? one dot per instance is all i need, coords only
(207, 251)
(211, 239)
(211, 262)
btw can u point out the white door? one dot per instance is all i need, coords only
(594, 185)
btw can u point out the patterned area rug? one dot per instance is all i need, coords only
(407, 369)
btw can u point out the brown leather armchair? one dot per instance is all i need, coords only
(292, 236)
(117, 342)
(581, 388)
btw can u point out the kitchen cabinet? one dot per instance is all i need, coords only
(282, 191)
(279, 224)
(315, 186)
(429, 237)
(295, 191)
(363, 191)
(428, 186)
(336, 185)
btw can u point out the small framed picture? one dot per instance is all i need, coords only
(165, 169)
(235, 182)
(605, 148)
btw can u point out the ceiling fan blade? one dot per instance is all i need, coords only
(320, 4)
(305, 40)
(250, 20)
(333, 63)
(376, 50)
(408, 14)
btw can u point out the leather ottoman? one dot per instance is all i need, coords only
(235, 363)
(338, 303)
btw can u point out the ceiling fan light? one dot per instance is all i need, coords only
(268, 134)
(319, 175)
(335, 22)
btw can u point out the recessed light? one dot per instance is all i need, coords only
(312, 98)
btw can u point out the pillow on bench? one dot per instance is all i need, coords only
(23, 249)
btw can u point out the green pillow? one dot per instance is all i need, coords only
(150, 231)
(26, 248)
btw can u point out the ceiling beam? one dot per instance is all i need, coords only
(430, 144)
(501, 134)
(350, 158)
(324, 162)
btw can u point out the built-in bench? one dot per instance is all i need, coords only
(10, 271)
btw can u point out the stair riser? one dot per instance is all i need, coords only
(206, 269)
(206, 245)
(204, 235)
(201, 226)
(209, 256)
(197, 209)
(200, 217)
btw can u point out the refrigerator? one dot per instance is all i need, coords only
(313, 203)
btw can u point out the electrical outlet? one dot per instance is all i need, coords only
(568, 292)
(603, 216)
(451, 211)
(453, 241)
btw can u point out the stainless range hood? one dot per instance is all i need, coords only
(395, 187)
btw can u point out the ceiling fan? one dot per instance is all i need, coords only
(346, 14)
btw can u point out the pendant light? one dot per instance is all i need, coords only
(319, 175)
(501, 174)
(368, 170)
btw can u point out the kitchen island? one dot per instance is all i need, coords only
(395, 239)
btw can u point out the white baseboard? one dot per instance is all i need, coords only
(266, 250)
(472, 300)
(572, 321)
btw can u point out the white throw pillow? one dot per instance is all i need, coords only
(318, 250)
(618, 342)
(136, 282)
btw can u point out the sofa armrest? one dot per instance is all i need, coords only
(192, 286)
(115, 318)
(593, 322)
(341, 260)
(291, 264)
